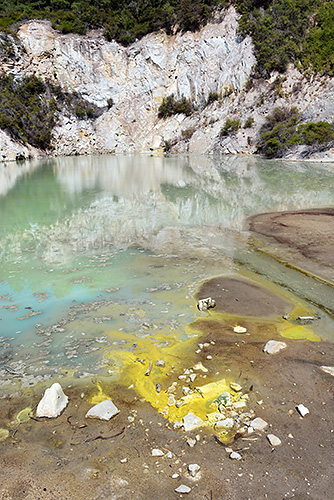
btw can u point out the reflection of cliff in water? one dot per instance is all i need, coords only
(161, 204)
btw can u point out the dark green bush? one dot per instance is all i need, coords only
(29, 109)
(316, 133)
(230, 127)
(283, 130)
(249, 122)
(279, 132)
(212, 97)
(170, 106)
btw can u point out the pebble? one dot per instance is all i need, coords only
(258, 424)
(274, 440)
(183, 489)
(175, 476)
(192, 422)
(193, 469)
(104, 410)
(235, 455)
(273, 346)
(302, 410)
(191, 442)
(227, 423)
(157, 453)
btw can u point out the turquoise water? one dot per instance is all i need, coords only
(104, 247)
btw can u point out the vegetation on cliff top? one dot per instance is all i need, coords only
(283, 31)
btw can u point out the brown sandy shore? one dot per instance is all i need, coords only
(51, 459)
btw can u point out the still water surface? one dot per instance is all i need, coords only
(96, 252)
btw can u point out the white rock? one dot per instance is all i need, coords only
(193, 469)
(274, 440)
(258, 424)
(273, 346)
(157, 453)
(303, 410)
(183, 489)
(52, 403)
(328, 369)
(169, 454)
(227, 423)
(192, 422)
(191, 442)
(235, 455)
(175, 476)
(104, 410)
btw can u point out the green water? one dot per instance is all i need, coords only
(94, 250)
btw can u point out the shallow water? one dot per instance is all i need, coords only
(101, 256)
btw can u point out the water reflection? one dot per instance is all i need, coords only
(140, 232)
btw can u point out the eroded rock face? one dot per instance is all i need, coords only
(215, 59)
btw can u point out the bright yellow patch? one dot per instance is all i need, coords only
(298, 332)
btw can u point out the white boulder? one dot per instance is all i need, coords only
(328, 369)
(52, 403)
(191, 422)
(258, 424)
(104, 410)
(274, 440)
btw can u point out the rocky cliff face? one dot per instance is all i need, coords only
(137, 78)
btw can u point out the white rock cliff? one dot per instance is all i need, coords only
(136, 78)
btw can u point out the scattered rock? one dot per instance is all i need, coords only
(157, 453)
(191, 442)
(160, 363)
(227, 423)
(204, 304)
(239, 329)
(235, 455)
(175, 476)
(193, 469)
(235, 387)
(183, 489)
(104, 410)
(274, 440)
(191, 422)
(258, 424)
(302, 410)
(52, 403)
(328, 369)
(199, 366)
(273, 346)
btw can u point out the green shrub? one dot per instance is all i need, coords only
(279, 132)
(316, 133)
(230, 127)
(187, 133)
(249, 122)
(212, 97)
(170, 106)
(283, 130)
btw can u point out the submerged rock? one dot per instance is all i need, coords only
(204, 304)
(104, 410)
(183, 489)
(53, 402)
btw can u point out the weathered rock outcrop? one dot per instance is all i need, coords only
(215, 59)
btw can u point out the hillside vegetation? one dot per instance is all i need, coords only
(300, 31)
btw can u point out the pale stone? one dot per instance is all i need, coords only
(258, 424)
(235, 455)
(191, 422)
(53, 402)
(328, 369)
(157, 453)
(235, 387)
(303, 410)
(239, 329)
(227, 423)
(274, 440)
(273, 346)
(104, 410)
(193, 469)
(183, 489)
